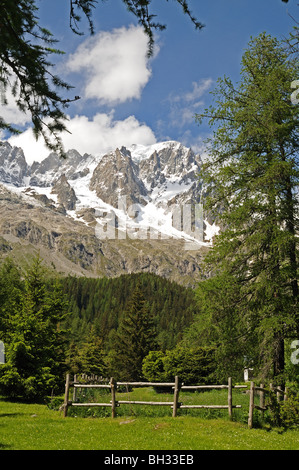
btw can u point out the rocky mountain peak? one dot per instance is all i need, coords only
(156, 178)
(50, 169)
(116, 176)
(63, 206)
(66, 195)
(13, 165)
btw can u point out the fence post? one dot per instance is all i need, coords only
(66, 395)
(230, 398)
(262, 400)
(251, 405)
(113, 386)
(75, 390)
(175, 396)
(285, 396)
(279, 393)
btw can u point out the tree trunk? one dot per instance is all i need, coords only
(278, 357)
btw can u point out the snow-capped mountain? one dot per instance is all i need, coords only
(152, 181)
(136, 193)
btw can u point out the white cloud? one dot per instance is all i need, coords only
(183, 107)
(114, 68)
(96, 136)
(11, 113)
(197, 143)
(114, 65)
(198, 90)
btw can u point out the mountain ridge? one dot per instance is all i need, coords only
(101, 208)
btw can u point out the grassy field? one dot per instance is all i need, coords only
(37, 427)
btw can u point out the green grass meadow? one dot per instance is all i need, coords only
(38, 427)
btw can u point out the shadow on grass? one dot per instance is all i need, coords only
(5, 415)
(4, 446)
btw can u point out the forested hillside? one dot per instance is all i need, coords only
(101, 302)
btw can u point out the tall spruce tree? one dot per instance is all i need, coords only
(251, 300)
(92, 356)
(135, 337)
(10, 294)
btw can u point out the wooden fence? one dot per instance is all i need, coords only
(175, 404)
(262, 391)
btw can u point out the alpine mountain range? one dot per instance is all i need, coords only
(106, 215)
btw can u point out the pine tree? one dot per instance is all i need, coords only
(135, 337)
(35, 340)
(251, 176)
(10, 295)
(92, 356)
(73, 360)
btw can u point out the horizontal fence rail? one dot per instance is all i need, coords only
(176, 386)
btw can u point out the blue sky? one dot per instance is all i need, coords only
(127, 99)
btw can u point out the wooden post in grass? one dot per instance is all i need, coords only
(66, 395)
(75, 390)
(285, 396)
(230, 398)
(113, 402)
(262, 400)
(279, 394)
(175, 396)
(251, 405)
